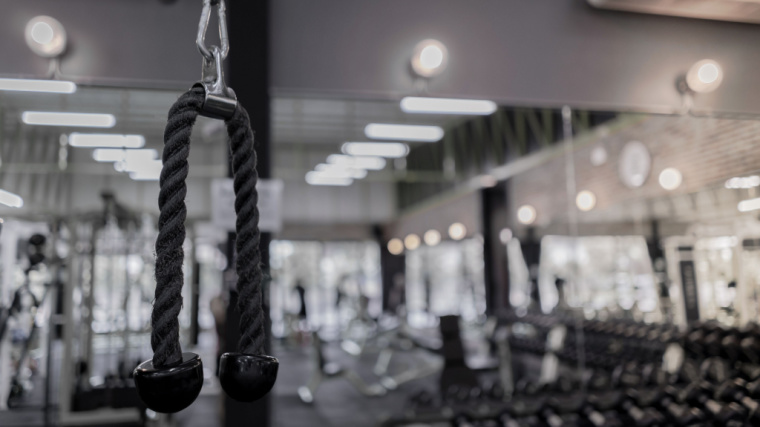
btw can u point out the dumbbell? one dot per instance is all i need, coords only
(641, 417)
(559, 412)
(741, 392)
(600, 418)
(750, 347)
(701, 393)
(713, 340)
(694, 340)
(670, 403)
(715, 369)
(422, 399)
(624, 402)
(494, 391)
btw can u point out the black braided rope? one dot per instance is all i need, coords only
(248, 263)
(171, 230)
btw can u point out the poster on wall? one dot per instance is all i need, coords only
(270, 204)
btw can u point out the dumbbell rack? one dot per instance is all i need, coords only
(717, 384)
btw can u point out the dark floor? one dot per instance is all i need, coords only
(336, 402)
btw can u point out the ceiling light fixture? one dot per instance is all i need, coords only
(395, 246)
(131, 157)
(394, 132)
(319, 178)
(744, 182)
(412, 242)
(43, 118)
(93, 140)
(9, 199)
(425, 105)
(393, 150)
(526, 214)
(145, 170)
(46, 86)
(749, 205)
(670, 179)
(340, 171)
(432, 237)
(360, 162)
(457, 231)
(585, 200)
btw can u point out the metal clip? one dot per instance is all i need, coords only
(220, 101)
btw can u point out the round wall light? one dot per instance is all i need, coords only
(585, 200)
(457, 231)
(670, 178)
(412, 242)
(432, 237)
(704, 76)
(430, 58)
(395, 246)
(505, 235)
(598, 155)
(526, 214)
(45, 36)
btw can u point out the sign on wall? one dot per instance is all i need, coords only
(270, 204)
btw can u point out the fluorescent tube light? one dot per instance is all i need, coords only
(153, 175)
(319, 178)
(68, 119)
(139, 161)
(362, 162)
(9, 199)
(749, 205)
(393, 150)
(106, 140)
(341, 171)
(133, 157)
(403, 132)
(416, 104)
(144, 170)
(743, 182)
(47, 86)
(108, 155)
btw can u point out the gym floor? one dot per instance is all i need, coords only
(337, 403)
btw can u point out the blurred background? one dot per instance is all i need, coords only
(483, 213)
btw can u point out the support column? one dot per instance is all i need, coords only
(495, 272)
(248, 75)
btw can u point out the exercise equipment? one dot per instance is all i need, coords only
(172, 380)
(322, 370)
(109, 259)
(35, 255)
(705, 383)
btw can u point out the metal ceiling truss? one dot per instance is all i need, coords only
(474, 147)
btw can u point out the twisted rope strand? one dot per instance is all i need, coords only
(171, 231)
(164, 337)
(248, 262)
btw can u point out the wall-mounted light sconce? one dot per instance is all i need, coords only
(430, 58)
(45, 36)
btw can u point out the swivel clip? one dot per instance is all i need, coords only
(219, 101)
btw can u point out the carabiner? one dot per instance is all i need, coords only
(200, 41)
(220, 101)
